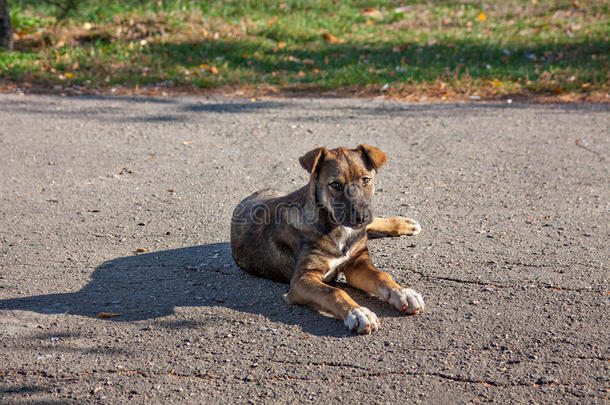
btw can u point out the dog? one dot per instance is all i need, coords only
(306, 238)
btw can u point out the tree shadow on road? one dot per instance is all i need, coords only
(152, 285)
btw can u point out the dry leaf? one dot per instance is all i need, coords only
(107, 315)
(371, 12)
(332, 39)
(141, 250)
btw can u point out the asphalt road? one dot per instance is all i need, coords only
(512, 261)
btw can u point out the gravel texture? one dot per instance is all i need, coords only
(121, 206)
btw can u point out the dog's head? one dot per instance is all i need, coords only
(343, 182)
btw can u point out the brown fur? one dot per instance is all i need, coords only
(310, 235)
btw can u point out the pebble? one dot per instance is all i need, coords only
(546, 380)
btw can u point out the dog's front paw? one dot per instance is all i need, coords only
(407, 226)
(361, 320)
(406, 300)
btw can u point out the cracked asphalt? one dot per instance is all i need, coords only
(121, 206)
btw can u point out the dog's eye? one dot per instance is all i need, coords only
(335, 185)
(366, 180)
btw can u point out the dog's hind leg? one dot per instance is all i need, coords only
(396, 226)
(362, 274)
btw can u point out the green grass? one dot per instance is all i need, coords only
(442, 49)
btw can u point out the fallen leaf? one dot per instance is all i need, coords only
(332, 39)
(482, 17)
(141, 250)
(107, 315)
(371, 12)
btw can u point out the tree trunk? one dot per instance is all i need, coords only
(6, 28)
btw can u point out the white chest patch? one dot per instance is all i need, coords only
(335, 262)
(345, 235)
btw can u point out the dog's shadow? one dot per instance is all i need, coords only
(149, 286)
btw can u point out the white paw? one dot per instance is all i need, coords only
(406, 300)
(416, 228)
(408, 226)
(361, 320)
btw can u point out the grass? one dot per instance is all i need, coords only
(404, 49)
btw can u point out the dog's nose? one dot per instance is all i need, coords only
(362, 216)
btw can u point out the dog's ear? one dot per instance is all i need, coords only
(373, 155)
(310, 160)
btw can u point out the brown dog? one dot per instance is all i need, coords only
(310, 235)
